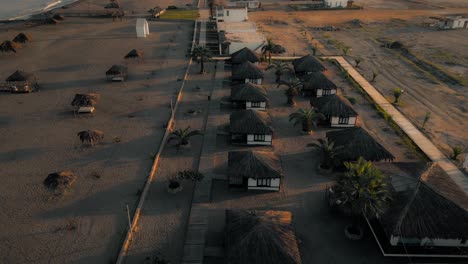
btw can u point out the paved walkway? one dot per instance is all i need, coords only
(418, 138)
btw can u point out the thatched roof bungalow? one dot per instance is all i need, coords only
(244, 55)
(134, 54)
(307, 64)
(357, 142)
(249, 96)
(251, 127)
(260, 237)
(84, 103)
(421, 220)
(336, 109)
(9, 46)
(22, 38)
(21, 82)
(117, 73)
(317, 84)
(247, 72)
(258, 170)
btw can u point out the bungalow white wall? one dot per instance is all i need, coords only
(453, 23)
(255, 105)
(248, 4)
(335, 3)
(336, 121)
(394, 240)
(265, 140)
(325, 92)
(254, 81)
(264, 184)
(231, 14)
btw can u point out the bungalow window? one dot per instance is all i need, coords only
(326, 92)
(259, 137)
(227, 13)
(256, 104)
(263, 182)
(343, 120)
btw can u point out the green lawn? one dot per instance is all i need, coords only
(180, 14)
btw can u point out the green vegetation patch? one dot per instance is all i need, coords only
(180, 14)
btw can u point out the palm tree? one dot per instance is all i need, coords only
(182, 136)
(306, 118)
(201, 54)
(374, 75)
(363, 191)
(357, 60)
(280, 68)
(329, 152)
(293, 89)
(267, 49)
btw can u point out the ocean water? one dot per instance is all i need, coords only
(20, 9)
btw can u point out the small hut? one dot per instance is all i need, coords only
(317, 84)
(117, 73)
(357, 142)
(21, 82)
(307, 65)
(91, 136)
(84, 103)
(258, 170)
(260, 237)
(420, 215)
(249, 96)
(134, 54)
(247, 72)
(250, 127)
(9, 46)
(244, 55)
(22, 38)
(59, 182)
(337, 110)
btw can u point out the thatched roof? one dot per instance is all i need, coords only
(91, 136)
(59, 182)
(317, 80)
(246, 70)
(117, 69)
(112, 5)
(244, 55)
(333, 105)
(308, 63)
(250, 122)
(21, 76)
(134, 54)
(9, 46)
(254, 164)
(22, 38)
(249, 92)
(419, 210)
(260, 237)
(89, 99)
(358, 143)
(58, 17)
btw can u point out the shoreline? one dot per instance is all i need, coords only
(39, 14)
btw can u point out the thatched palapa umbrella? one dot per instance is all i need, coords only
(117, 71)
(134, 54)
(59, 182)
(85, 100)
(21, 76)
(357, 142)
(9, 46)
(260, 237)
(22, 38)
(91, 136)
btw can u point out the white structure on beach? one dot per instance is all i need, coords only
(142, 28)
(231, 14)
(453, 22)
(335, 3)
(250, 4)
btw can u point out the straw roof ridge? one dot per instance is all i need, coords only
(244, 55)
(249, 92)
(247, 70)
(260, 237)
(333, 105)
(250, 122)
(21, 76)
(22, 38)
(9, 46)
(89, 99)
(134, 53)
(254, 164)
(117, 69)
(357, 142)
(317, 80)
(308, 63)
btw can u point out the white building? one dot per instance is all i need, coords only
(249, 4)
(231, 14)
(453, 22)
(335, 3)
(142, 28)
(250, 127)
(257, 170)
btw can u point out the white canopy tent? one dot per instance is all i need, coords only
(142, 28)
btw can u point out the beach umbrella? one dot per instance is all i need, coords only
(9, 46)
(22, 38)
(59, 182)
(91, 136)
